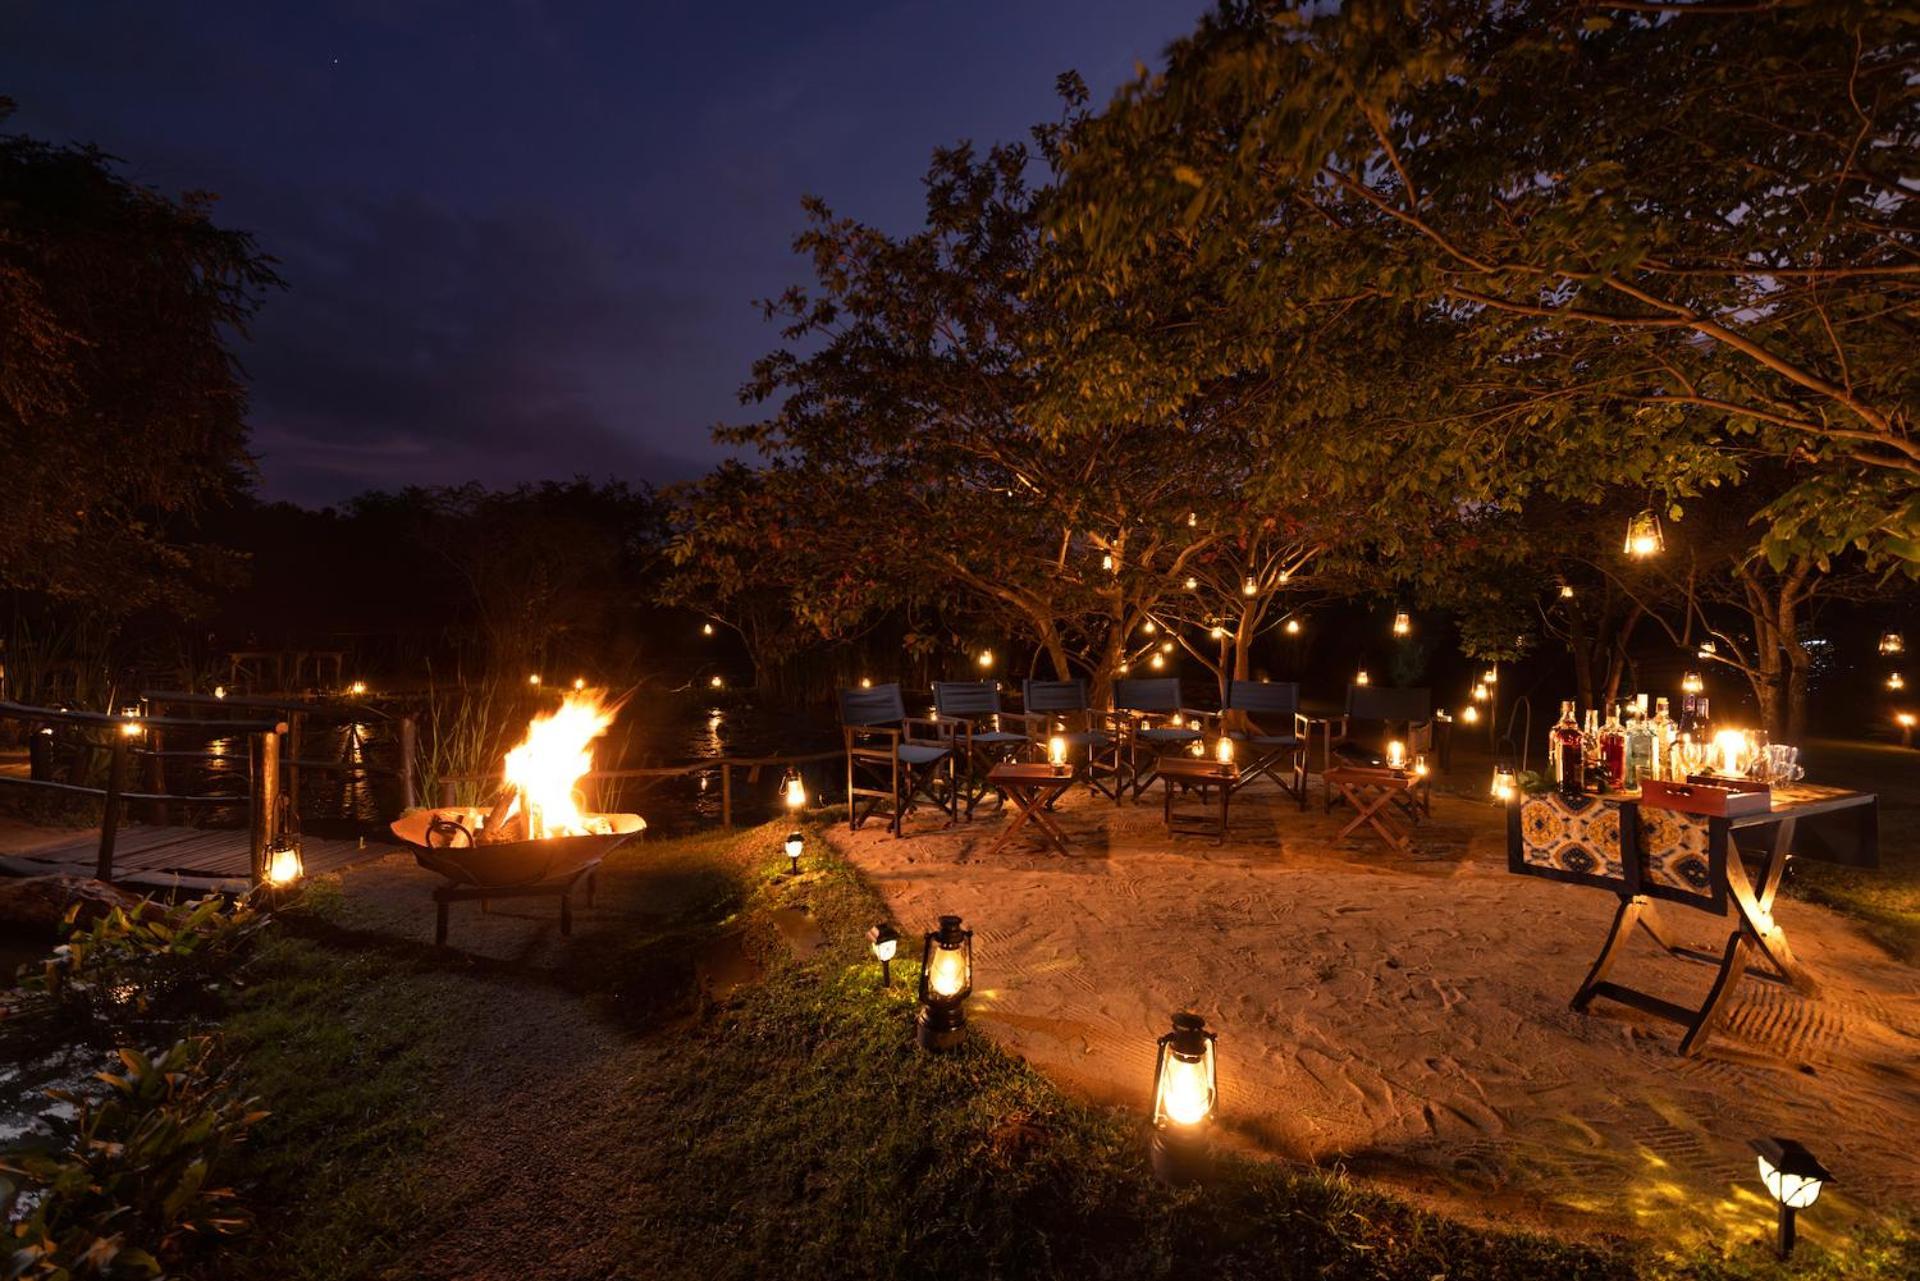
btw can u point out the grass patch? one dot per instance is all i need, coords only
(795, 1130)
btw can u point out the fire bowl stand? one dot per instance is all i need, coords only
(447, 895)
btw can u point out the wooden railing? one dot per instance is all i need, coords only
(147, 743)
(726, 765)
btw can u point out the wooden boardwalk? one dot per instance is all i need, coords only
(182, 857)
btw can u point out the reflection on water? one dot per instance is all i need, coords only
(358, 785)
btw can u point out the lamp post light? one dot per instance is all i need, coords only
(795, 846)
(1794, 1177)
(885, 941)
(946, 978)
(1185, 1087)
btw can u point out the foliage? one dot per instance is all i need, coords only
(130, 1187)
(1630, 280)
(117, 305)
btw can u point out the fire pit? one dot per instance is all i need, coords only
(536, 840)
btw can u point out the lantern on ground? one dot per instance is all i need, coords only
(1691, 683)
(284, 866)
(885, 941)
(946, 978)
(1504, 787)
(793, 791)
(357, 689)
(1057, 752)
(1403, 624)
(795, 846)
(1892, 643)
(1644, 537)
(1293, 627)
(1794, 1177)
(1186, 1086)
(1361, 678)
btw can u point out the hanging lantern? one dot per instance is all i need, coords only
(1691, 683)
(1057, 752)
(1504, 787)
(534, 680)
(1186, 1085)
(1250, 587)
(1479, 693)
(1644, 538)
(1193, 518)
(885, 941)
(985, 660)
(715, 682)
(1490, 677)
(795, 846)
(1106, 562)
(1157, 662)
(131, 726)
(946, 978)
(1403, 624)
(1470, 715)
(793, 790)
(1218, 632)
(1896, 681)
(1192, 582)
(284, 865)
(219, 691)
(1286, 576)
(866, 682)
(1166, 647)
(706, 629)
(1149, 627)
(1566, 591)
(1793, 1177)
(1361, 677)
(1892, 643)
(1293, 627)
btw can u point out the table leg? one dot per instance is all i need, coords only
(1226, 795)
(1024, 805)
(1755, 910)
(1625, 918)
(1732, 965)
(1051, 829)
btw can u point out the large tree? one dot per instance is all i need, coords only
(1650, 234)
(122, 408)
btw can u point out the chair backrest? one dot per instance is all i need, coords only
(881, 705)
(1273, 699)
(1054, 696)
(966, 698)
(1154, 694)
(1384, 703)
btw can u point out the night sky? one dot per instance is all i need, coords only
(524, 239)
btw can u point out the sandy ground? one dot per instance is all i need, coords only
(1405, 1016)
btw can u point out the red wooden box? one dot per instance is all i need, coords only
(1717, 799)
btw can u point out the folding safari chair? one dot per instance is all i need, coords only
(1377, 714)
(893, 758)
(1061, 707)
(1149, 711)
(1269, 737)
(973, 708)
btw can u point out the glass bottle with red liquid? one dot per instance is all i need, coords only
(1613, 752)
(1569, 753)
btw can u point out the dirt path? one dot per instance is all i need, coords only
(1406, 1016)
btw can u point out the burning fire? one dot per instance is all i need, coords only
(543, 771)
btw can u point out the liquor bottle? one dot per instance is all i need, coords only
(1664, 734)
(1640, 746)
(1613, 751)
(1702, 721)
(1569, 753)
(1590, 751)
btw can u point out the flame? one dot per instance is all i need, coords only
(549, 762)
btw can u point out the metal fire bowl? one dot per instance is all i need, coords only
(511, 863)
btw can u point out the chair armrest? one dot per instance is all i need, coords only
(1036, 723)
(855, 733)
(943, 729)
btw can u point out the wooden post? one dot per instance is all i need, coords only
(264, 811)
(156, 776)
(295, 721)
(726, 796)
(409, 739)
(110, 816)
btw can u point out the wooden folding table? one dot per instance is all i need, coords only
(1214, 781)
(1032, 788)
(1375, 793)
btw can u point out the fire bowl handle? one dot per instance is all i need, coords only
(447, 834)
